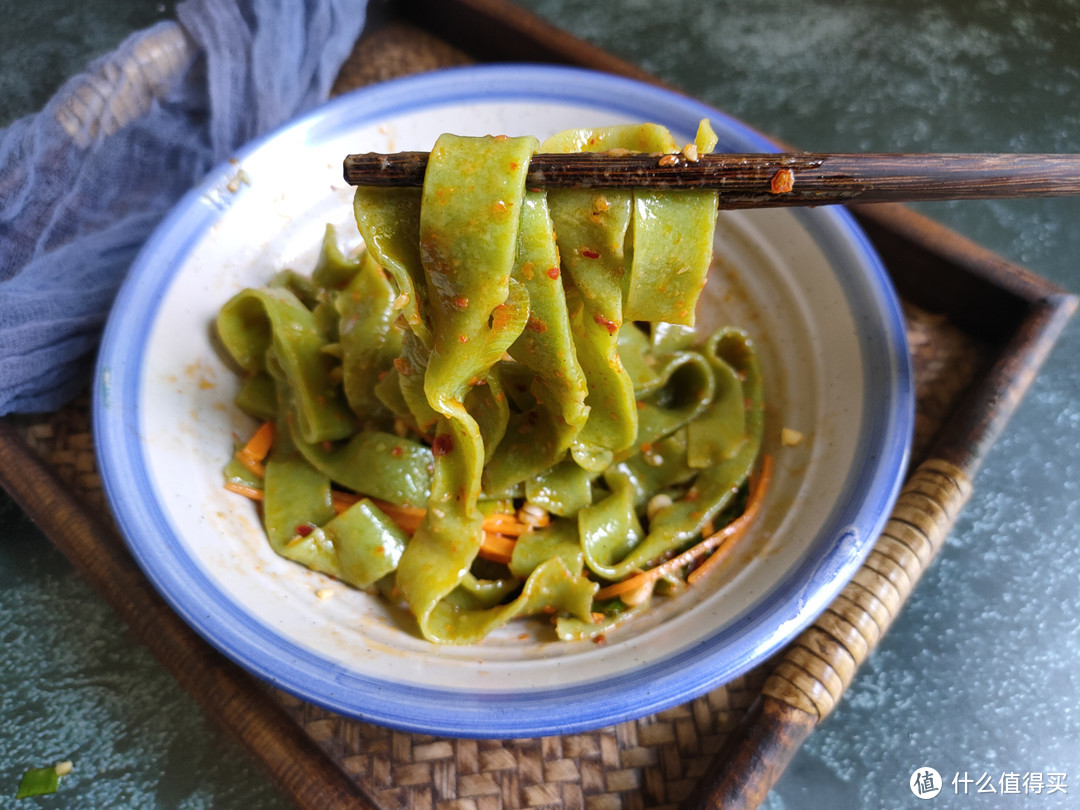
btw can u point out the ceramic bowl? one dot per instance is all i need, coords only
(805, 283)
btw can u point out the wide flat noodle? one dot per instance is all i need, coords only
(256, 323)
(539, 435)
(472, 203)
(672, 248)
(500, 404)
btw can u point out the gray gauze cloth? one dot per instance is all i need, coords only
(85, 181)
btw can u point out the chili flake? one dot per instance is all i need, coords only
(610, 325)
(782, 182)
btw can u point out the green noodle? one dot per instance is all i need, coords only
(497, 350)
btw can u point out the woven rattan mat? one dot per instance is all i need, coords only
(652, 762)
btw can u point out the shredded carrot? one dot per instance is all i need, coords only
(505, 523)
(396, 510)
(243, 489)
(496, 547)
(342, 500)
(723, 541)
(500, 528)
(753, 506)
(252, 454)
(407, 517)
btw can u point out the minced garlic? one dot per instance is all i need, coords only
(790, 437)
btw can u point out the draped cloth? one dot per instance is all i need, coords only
(84, 181)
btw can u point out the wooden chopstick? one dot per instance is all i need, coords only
(762, 180)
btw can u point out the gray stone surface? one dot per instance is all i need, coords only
(979, 675)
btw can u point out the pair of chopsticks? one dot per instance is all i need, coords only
(754, 180)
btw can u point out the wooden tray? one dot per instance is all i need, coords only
(973, 362)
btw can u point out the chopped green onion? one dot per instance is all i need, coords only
(38, 782)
